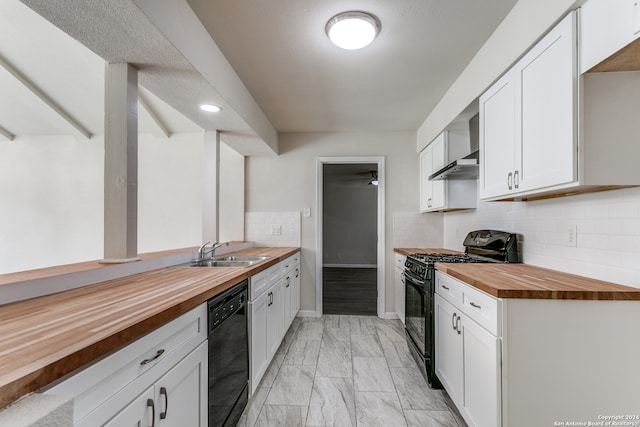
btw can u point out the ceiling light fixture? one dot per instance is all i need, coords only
(210, 108)
(353, 30)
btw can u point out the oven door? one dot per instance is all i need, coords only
(415, 311)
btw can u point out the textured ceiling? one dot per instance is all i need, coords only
(304, 83)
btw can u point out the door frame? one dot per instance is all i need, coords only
(379, 160)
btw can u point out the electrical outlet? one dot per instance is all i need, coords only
(306, 212)
(572, 236)
(276, 230)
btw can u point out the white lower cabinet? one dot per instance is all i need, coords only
(399, 286)
(177, 399)
(467, 356)
(160, 379)
(535, 362)
(274, 303)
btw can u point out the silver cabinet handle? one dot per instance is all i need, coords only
(453, 321)
(473, 304)
(153, 411)
(444, 287)
(163, 392)
(510, 180)
(151, 359)
(458, 327)
(516, 179)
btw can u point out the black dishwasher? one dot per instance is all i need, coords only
(228, 356)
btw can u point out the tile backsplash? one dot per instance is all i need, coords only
(415, 230)
(607, 244)
(273, 228)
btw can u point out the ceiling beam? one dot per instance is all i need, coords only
(79, 128)
(149, 109)
(6, 134)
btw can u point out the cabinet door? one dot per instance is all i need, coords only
(606, 26)
(438, 161)
(295, 304)
(181, 394)
(547, 97)
(425, 184)
(288, 296)
(275, 318)
(482, 370)
(400, 294)
(259, 359)
(139, 413)
(448, 348)
(498, 138)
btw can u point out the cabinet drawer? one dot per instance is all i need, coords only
(258, 284)
(275, 273)
(135, 366)
(449, 289)
(482, 308)
(477, 305)
(290, 263)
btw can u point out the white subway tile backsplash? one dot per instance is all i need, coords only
(416, 230)
(608, 232)
(259, 225)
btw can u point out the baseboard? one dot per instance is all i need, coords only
(350, 265)
(307, 313)
(390, 315)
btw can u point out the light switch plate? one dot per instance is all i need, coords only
(306, 212)
(572, 236)
(276, 230)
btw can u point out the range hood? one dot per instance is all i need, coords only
(464, 168)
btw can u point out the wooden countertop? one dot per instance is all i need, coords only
(527, 281)
(45, 338)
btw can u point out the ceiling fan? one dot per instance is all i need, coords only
(371, 176)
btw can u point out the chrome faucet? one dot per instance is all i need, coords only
(203, 252)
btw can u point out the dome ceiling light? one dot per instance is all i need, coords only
(353, 30)
(210, 108)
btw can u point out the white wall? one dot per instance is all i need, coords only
(51, 189)
(231, 198)
(288, 183)
(169, 192)
(608, 240)
(521, 28)
(51, 209)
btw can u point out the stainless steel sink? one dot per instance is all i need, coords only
(228, 261)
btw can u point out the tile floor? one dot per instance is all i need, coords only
(346, 371)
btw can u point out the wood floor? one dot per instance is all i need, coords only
(351, 291)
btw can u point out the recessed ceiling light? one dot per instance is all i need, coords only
(353, 30)
(210, 108)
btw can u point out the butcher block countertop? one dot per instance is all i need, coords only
(527, 281)
(43, 339)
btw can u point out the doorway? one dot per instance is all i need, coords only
(350, 273)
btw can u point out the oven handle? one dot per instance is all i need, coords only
(418, 286)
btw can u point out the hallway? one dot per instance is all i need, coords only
(346, 371)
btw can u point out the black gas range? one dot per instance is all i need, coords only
(481, 246)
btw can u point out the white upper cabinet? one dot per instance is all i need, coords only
(547, 131)
(443, 195)
(528, 119)
(606, 27)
